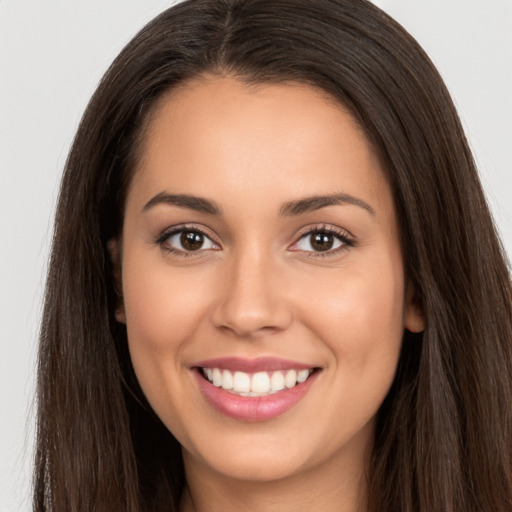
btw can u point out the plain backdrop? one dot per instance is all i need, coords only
(52, 55)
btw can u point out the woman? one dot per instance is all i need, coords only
(275, 282)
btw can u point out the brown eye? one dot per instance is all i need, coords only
(191, 240)
(321, 241)
(186, 241)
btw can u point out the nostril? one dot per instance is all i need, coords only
(248, 332)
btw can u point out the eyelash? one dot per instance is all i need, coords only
(164, 237)
(346, 240)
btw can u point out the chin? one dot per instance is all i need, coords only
(254, 465)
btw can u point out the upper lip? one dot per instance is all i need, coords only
(262, 364)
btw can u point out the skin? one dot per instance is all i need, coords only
(259, 289)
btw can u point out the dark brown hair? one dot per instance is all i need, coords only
(444, 432)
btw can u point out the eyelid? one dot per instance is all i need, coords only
(173, 230)
(329, 228)
(347, 239)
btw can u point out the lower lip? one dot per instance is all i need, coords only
(257, 408)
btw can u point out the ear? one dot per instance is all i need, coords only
(414, 319)
(114, 251)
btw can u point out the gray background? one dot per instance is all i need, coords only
(52, 55)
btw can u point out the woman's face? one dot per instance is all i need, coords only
(260, 256)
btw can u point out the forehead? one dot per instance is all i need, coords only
(217, 131)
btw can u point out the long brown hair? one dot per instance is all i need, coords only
(444, 432)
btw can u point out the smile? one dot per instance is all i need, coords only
(255, 384)
(254, 390)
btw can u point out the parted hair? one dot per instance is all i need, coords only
(444, 433)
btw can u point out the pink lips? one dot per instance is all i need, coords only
(264, 364)
(253, 409)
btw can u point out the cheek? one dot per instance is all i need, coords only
(162, 307)
(163, 310)
(355, 304)
(360, 320)
(359, 315)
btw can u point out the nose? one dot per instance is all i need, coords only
(252, 299)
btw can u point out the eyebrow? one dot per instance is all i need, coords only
(292, 208)
(199, 204)
(313, 203)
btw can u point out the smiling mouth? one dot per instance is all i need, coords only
(255, 384)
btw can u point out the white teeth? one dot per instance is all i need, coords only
(256, 384)
(302, 376)
(217, 377)
(260, 382)
(227, 379)
(290, 379)
(277, 381)
(242, 382)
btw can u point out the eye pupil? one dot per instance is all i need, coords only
(322, 241)
(191, 240)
